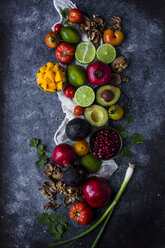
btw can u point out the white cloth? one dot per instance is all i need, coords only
(108, 167)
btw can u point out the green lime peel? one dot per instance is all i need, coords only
(107, 213)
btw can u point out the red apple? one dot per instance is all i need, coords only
(97, 192)
(98, 73)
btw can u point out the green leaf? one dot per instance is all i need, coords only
(43, 218)
(119, 128)
(126, 112)
(34, 142)
(40, 153)
(66, 10)
(37, 164)
(68, 23)
(57, 236)
(62, 218)
(126, 153)
(130, 119)
(53, 218)
(137, 138)
(42, 160)
(51, 228)
(60, 228)
(124, 134)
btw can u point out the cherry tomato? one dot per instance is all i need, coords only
(69, 91)
(78, 110)
(81, 213)
(52, 39)
(75, 16)
(57, 27)
(65, 53)
(113, 37)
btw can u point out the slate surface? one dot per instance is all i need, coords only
(25, 112)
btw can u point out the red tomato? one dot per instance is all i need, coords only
(75, 16)
(65, 53)
(69, 91)
(81, 213)
(52, 39)
(78, 110)
(57, 27)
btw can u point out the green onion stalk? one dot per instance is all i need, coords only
(107, 213)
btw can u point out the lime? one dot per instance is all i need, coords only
(84, 96)
(91, 163)
(85, 52)
(106, 53)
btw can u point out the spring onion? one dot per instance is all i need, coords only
(127, 178)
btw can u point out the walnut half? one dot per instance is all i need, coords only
(119, 64)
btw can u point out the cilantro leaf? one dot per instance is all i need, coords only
(57, 236)
(130, 119)
(34, 142)
(51, 227)
(64, 12)
(126, 153)
(60, 228)
(53, 218)
(43, 159)
(126, 112)
(137, 138)
(119, 128)
(43, 218)
(124, 134)
(62, 218)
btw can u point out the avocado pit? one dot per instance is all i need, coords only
(107, 95)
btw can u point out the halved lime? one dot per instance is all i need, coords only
(106, 53)
(85, 52)
(84, 96)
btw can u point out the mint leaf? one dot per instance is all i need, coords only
(34, 142)
(137, 138)
(43, 218)
(124, 134)
(130, 119)
(126, 153)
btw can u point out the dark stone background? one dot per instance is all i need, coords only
(26, 111)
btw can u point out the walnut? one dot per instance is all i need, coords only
(52, 204)
(49, 189)
(115, 23)
(119, 64)
(60, 186)
(94, 36)
(70, 200)
(115, 79)
(71, 191)
(53, 172)
(124, 78)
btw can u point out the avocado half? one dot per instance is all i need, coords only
(107, 95)
(96, 115)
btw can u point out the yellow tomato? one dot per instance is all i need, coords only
(81, 148)
(115, 112)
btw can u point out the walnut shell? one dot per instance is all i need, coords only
(119, 64)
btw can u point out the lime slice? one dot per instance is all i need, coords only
(106, 53)
(84, 96)
(85, 52)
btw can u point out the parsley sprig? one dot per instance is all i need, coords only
(57, 225)
(136, 138)
(41, 152)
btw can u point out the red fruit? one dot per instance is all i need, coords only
(69, 91)
(98, 73)
(64, 155)
(65, 53)
(81, 213)
(75, 16)
(97, 192)
(78, 110)
(57, 27)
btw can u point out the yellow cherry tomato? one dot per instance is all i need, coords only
(81, 148)
(115, 112)
(113, 37)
